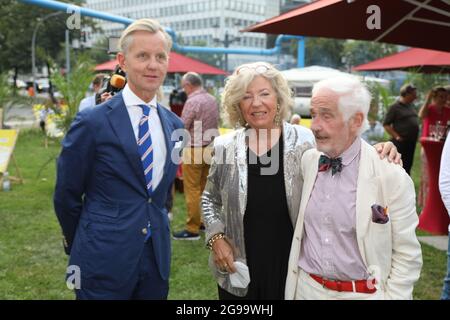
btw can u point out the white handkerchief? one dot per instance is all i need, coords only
(241, 278)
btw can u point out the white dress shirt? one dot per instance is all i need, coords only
(135, 112)
(444, 176)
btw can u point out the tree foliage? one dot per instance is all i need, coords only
(16, 30)
(211, 59)
(5, 90)
(425, 82)
(324, 52)
(359, 52)
(73, 89)
(339, 54)
(99, 51)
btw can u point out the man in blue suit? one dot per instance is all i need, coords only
(114, 173)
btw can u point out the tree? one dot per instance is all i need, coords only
(15, 38)
(324, 52)
(5, 91)
(211, 59)
(99, 51)
(319, 51)
(359, 52)
(425, 82)
(73, 89)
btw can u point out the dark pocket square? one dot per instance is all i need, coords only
(379, 214)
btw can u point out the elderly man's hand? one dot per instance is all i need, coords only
(389, 149)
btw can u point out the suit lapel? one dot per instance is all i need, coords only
(241, 147)
(308, 184)
(121, 124)
(167, 137)
(366, 196)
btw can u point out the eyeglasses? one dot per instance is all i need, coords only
(260, 69)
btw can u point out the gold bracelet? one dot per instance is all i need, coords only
(213, 239)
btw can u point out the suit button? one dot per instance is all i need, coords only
(144, 231)
(149, 200)
(294, 271)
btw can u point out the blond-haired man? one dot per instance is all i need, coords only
(355, 233)
(114, 173)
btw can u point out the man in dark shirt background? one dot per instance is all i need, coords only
(177, 99)
(402, 123)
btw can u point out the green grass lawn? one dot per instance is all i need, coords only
(32, 262)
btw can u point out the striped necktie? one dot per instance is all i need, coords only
(145, 147)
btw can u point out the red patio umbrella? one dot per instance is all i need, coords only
(419, 60)
(414, 23)
(177, 63)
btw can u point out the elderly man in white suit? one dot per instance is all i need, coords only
(355, 233)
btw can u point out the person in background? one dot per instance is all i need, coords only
(89, 102)
(444, 188)
(43, 114)
(252, 197)
(433, 111)
(30, 90)
(355, 235)
(201, 118)
(177, 99)
(402, 123)
(295, 119)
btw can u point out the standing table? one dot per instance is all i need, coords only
(434, 217)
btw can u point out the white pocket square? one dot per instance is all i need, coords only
(241, 278)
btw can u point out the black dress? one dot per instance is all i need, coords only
(268, 229)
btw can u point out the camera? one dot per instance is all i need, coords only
(112, 84)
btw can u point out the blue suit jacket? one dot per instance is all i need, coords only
(101, 200)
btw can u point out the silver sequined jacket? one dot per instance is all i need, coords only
(225, 197)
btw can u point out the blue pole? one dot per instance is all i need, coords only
(70, 8)
(301, 52)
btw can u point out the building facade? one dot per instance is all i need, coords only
(198, 22)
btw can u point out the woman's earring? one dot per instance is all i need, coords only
(241, 122)
(277, 116)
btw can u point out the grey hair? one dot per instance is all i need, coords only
(353, 96)
(193, 78)
(149, 25)
(237, 84)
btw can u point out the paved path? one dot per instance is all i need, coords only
(438, 242)
(19, 115)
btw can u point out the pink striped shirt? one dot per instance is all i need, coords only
(201, 117)
(329, 247)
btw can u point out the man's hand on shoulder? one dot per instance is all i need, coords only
(390, 150)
